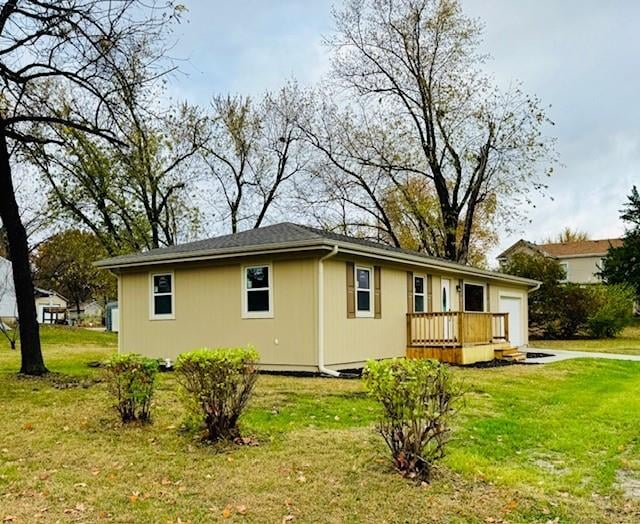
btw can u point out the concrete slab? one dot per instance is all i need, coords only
(563, 354)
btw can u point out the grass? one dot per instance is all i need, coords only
(628, 342)
(532, 444)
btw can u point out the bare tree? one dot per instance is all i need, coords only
(135, 197)
(254, 154)
(410, 102)
(57, 59)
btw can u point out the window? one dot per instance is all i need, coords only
(474, 298)
(364, 291)
(258, 300)
(162, 297)
(418, 294)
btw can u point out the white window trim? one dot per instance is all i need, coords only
(484, 295)
(423, 294)
(152, 294)
(370, 313)
(245, 291)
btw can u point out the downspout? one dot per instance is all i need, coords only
(320, 341)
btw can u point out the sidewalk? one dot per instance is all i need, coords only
(563, 354)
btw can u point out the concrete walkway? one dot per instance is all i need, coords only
(563, 354)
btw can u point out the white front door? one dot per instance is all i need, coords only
(445, 297)
(513, 306)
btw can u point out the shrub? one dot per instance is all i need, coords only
(131, 380)
(216, 386)
(575, 306)
(418, 398)
(612, 311)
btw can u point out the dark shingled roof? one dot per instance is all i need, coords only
(285, 235)
(285, 232)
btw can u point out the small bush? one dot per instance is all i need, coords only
(573, 309)
(131, 380)
(612, 310)
(216, 386)
(418, 398)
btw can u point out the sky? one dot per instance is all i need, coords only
(581, 57)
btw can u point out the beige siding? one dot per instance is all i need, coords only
(582, 270)
(352, 341)
(208, 313)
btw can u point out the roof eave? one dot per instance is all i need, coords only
(309, 245)
(213, 254)
(433, 263)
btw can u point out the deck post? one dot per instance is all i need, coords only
(506, 327)
(409, 337)
(461, 326)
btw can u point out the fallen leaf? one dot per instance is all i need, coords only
(510, 506)
(80, 507)
(241, 509)
(9, 518)
(301, 478)
(166, 481)
(226, 512)
(28, 426)
(288, 518)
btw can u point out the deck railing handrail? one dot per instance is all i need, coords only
(456, 328)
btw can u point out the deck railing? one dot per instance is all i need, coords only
(456, 328)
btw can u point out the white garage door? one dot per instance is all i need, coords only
(513, 306)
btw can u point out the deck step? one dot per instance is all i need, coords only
(510, 354)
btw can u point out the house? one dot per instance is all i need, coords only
(51, 307)
(8, 306)
(581, 259)
(312, 300)
(88, 310)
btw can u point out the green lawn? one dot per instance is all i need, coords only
(627, 342)
(532, 444)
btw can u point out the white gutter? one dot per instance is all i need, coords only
(320, 341)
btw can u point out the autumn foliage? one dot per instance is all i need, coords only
(418, 399)
(216, 385)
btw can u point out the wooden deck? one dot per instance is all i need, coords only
(457, 337)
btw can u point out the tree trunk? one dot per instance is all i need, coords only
(32, 362)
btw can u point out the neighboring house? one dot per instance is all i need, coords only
(8, 306)
(580, 259)
(51, 307)
(311, 300)
(92, 309)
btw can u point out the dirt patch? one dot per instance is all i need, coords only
(554, 467)
(629, 484)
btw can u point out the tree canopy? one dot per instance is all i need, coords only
(64, 262)
(622, 264)
(408, 100)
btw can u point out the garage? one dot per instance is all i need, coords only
(513, 304)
